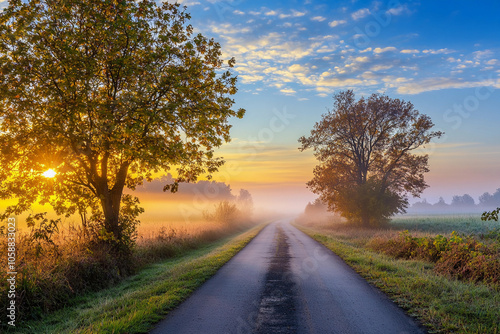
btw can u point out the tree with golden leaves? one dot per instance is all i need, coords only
(106, 93)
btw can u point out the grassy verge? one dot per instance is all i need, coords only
(135, 304)
(441, 304)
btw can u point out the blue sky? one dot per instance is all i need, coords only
(292, 56)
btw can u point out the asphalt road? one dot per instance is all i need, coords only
(285, 282)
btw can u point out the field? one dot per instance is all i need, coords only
(468, 224)
(415, 260)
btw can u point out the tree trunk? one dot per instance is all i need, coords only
(110, 203)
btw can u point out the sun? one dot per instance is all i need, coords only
(49, 173)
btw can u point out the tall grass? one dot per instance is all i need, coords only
(52, 270)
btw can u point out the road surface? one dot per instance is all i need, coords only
(285, 282)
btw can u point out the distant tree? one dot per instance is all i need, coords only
(463, 201)
(106, 93)
(496, 197)
(245, 202)
(489, 200)
(422, 206)
(316, 207)
(364, 148)
(441, 203)
(485, 199)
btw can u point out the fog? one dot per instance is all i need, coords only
(464, 203)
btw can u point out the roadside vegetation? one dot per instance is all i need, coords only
(444, 270)
(56, 265)
(138, 302)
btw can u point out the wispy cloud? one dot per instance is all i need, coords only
(280, 49)
(359, 14)
(336, 23)
(399, 10)
(184, 2)
(288, 91)
(386, 49)
(440, 51)
(430, 84)
(318, 18)
(294, 13)
(410, 51)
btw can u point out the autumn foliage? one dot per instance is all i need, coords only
(106, 93)
(456, 256)
(366, 165)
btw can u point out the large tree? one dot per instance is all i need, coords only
(106, 93)
(366, 165)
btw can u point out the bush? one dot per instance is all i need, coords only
(458, 257)
(225, 212)
(53, 266)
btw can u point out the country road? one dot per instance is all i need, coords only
(285, 282)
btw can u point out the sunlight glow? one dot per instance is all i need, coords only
(49, 173)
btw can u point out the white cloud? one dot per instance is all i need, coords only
(318, 18)
(410, 51)
(382, 50)
(381, 67)
(440, 51)
(362, 59)
(337, 23)
(359, 14)
(188, 2)
(369, 75)
(296, 68)
(431, 84)
(294, 13)
(288, 91)
(251, 78)
(401, 9)
(229, 29)
(282, 58)
(337, 82)
(482, 54)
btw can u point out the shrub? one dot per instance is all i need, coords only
(459, 257)
(225, 212)
(54, 265)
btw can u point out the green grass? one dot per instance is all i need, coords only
(137, 303)
(467, 224)
(441, 304)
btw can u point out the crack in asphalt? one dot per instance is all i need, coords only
(277, 309)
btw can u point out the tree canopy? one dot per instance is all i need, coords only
(106, 93)
(364, 148)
